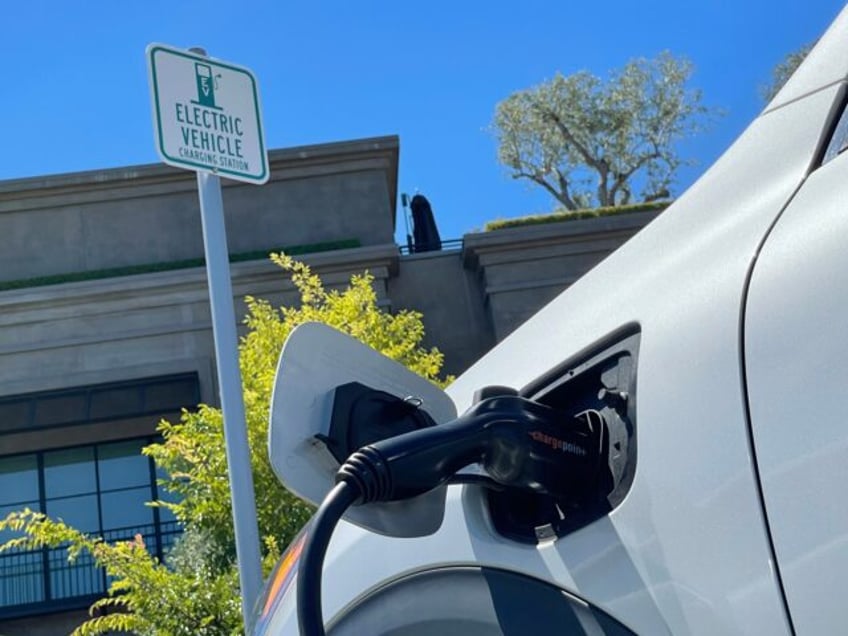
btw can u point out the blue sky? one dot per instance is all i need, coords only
(75, 96)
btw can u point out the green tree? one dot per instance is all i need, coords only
(593, 142)
(196, 590)
(781, 73)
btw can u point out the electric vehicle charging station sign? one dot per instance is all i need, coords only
(206, 115)
(207, 119)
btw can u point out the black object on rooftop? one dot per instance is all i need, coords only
(424, 231)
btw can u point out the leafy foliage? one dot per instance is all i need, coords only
(193, 450)
(781, 73)
(593, 142)
(148, 597)
(196, 591)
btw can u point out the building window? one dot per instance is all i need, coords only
(99, 489)
(64, 455)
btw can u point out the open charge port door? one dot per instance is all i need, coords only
(599, 384)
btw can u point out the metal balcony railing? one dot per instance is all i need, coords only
(448, 245)
(35, 581)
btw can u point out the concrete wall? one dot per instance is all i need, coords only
(58, 624)
(450, 298)
(150, 214)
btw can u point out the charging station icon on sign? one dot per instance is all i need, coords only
(205, 86)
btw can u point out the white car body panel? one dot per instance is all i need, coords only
(824, 65)
(688, 550)
(797, 353)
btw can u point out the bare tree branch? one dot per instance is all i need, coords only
(565, 196)
(567, 135)
(562, 197)
(620, 179)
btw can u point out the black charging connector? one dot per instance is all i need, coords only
(521, 444)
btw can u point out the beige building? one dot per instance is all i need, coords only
(105, 327)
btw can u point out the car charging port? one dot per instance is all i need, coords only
(362, 415)
(599, 388)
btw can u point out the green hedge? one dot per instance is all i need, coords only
(72, 277)
(575, 215)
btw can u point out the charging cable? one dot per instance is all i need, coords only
(520, 444)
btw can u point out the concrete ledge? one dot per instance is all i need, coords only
(180, 280)
(150, 214)
(297, 162)
(56, 335)
(512, 239)
(521, 269)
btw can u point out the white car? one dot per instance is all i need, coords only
(718, 336)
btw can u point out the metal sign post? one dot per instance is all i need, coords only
(232, 399)
(206, 115)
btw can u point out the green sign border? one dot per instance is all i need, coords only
(179, 162)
